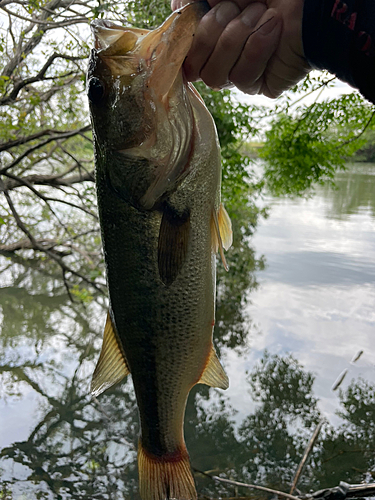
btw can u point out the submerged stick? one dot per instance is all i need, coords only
(245, 485)
(308, 449)
(342, 492)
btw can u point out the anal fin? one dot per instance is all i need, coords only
(214, 374)
(112, 366)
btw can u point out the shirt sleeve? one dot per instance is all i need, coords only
(339, 36)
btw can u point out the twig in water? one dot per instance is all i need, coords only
(343, 491)
(245, 485)
(356, 356)
(339, 380)
(308, 449)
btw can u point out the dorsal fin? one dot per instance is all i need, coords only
(173, 244)
(214, 374)
(222, 236)
(112, 366)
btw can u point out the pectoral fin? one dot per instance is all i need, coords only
(112, 366)
(222, 236)
(214, 374)
(173, 244)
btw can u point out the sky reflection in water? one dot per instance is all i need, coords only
(313, 310)
(317, 292)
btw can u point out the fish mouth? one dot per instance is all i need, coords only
(160, 52)
(146, 69)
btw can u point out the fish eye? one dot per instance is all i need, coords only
(95, 90)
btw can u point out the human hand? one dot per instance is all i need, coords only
(255, 45)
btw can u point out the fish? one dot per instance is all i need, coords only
(158, 176)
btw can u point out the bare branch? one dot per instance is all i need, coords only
(70, 204)
(37, 21)
(38, 77)
(26, 244)
(245, 485)
(47, 180)
(63, 135)
(306, 454)
(66, 284)
(50, 253)
(19, 222)
(47, 199)
(23, 140)
(343, 491)
(6, 2)
(77, 162)
(23, 49)
(49, 243)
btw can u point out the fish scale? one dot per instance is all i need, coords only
(162, 224)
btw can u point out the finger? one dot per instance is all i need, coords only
(259, 48)
(178, 4)
(241, 4)
(206, 36)
(281, 75)
(230, 45)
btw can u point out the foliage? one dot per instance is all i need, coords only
(240, 191)
(291, 387)
(49, 232)
(366, 153)
(283, 390)
(47, 194)
(307, 146)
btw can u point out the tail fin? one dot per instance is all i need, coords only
(163, 478)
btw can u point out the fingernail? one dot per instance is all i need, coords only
(226, 12)
(268, 25)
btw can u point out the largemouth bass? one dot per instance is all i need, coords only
(158, 186)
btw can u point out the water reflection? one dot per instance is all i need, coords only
(354, 193)
(59, 443)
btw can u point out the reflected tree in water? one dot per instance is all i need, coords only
(81, 448)
(354, 192)
(354, 441)
(272, 445)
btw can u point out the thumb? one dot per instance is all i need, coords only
(177, 4)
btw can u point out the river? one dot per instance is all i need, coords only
(293, 332)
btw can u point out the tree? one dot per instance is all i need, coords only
(307, 144)
(47, 194)
(49, 230)
(47, 182)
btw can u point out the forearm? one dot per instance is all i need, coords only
(340, 37)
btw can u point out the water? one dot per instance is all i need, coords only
(285, 333)
(317, 292)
